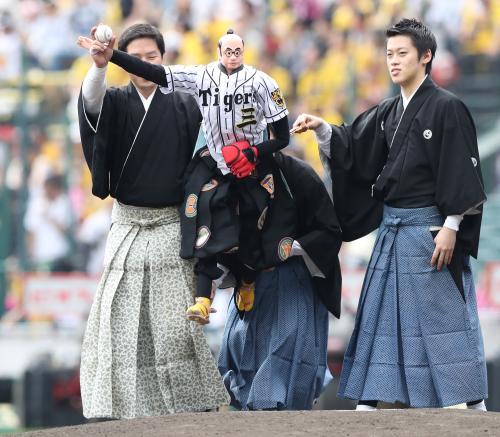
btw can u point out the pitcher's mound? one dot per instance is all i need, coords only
(413, 422)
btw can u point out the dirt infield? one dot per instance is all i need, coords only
(293, 423)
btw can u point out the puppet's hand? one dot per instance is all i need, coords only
(246, 163)
(240, 157)
(232, 152)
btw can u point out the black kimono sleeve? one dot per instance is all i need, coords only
(318, 228)
(357, 155)
(96, 134)
(459, 182)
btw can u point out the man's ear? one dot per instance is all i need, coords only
(427, 56)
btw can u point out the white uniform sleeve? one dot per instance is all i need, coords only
(94, 89)
(270, 98)
(182, 78)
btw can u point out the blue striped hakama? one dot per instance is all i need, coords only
(415, 339)
(275, 357)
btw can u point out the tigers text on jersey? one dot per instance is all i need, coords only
(234, 108)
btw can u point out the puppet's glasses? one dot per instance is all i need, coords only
(236, 52)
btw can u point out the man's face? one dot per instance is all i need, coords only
(52, 191)
(403, 62)
(231, 53)
(147, 50)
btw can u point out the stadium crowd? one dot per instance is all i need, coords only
(323, 53)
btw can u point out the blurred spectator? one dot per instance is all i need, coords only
(83, 15)
(10, 49)
(47, 222)
(322, 53)
(49, 39)
(92, 235)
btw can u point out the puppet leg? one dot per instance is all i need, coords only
(246, 291)
(245, 296)
(199, 312)
(207, 271)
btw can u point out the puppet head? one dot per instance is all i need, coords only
(230, 51)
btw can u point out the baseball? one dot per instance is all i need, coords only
(103, 33)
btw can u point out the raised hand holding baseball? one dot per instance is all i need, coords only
(103, 33)
(101, 52)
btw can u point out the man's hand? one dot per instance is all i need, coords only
(305, 122)
(445, 245)
(101, 52)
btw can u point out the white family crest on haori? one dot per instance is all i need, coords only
(427, 134)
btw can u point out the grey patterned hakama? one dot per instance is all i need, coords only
(140, 355)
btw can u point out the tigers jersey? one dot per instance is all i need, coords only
(235, 107)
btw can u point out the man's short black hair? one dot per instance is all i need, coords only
(141, 30)
(422, 37)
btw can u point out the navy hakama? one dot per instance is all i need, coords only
(275, 356)
(416, 340)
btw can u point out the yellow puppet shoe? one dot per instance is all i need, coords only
(200, 311)
(246, 296)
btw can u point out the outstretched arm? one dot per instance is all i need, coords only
(320, 127)
(172, 78)
(102, 53)
(305, 122)
(152, 72)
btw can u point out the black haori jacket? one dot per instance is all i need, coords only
(136, 157)
(428, 156)
(261, 216)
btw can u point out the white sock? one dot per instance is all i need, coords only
(361, 407)
(481, 406)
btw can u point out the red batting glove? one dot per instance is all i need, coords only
(232, 152)
(240, 157)
(246, 163)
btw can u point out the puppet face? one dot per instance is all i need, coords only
(405, 67)
(147, 50)
(231, 52)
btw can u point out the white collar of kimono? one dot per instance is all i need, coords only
(146, 101)
(407, 100)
